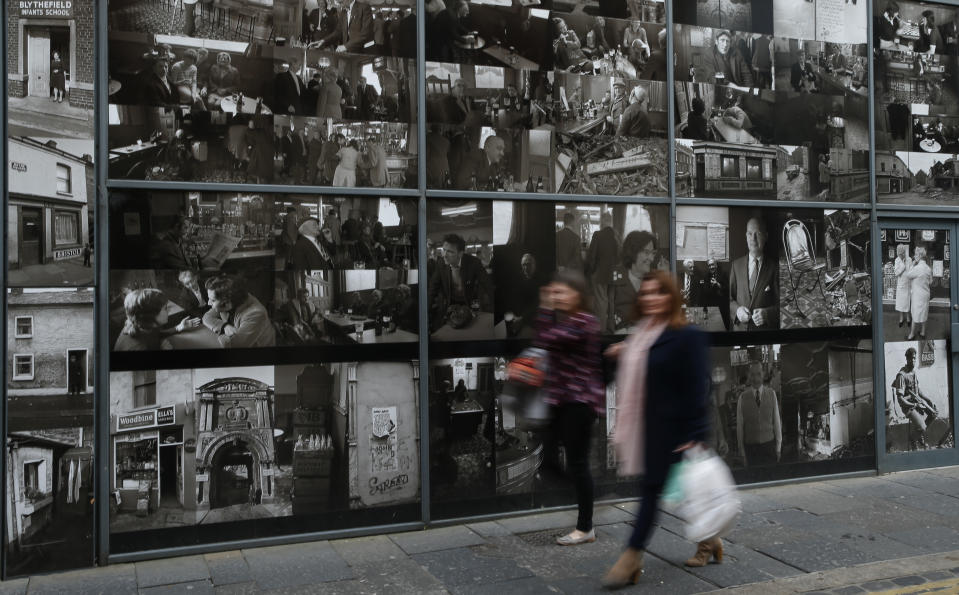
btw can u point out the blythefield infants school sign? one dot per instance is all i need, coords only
(46, 9)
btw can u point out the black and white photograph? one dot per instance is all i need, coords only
(821, 121)
(612, 165)
(346, 307)
(824, 268)
(162, 70)
(51, 204)
(326, 232)
(614, 245)
(588, 106)
(489, 159)
(916, 178)
(177, 144)
(492, 96)
(819, 67)
(328, 152)
(832, 384)
(916, 284)
(50, 70)
(729, 260)
(490, 34)
(918, 396)
(183, 309)
(837, 21)
(205, 446)
(910, 78)
(191, 231)
(740, 15)
(207, 24)
(596, 45)
(807, 173)
(747, 406)
(346, 86)
(920, 27)
(648, 11)
(350, 27)
(460, 252)
(49, 417)
(721, 57)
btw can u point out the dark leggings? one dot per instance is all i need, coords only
(572, 427)
(651, 487)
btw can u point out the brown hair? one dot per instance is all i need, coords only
(577, 282)
(676, 316)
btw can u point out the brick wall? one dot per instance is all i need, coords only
(55, 330)
(14, 88)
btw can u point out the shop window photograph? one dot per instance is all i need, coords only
(64, 179)
(66, 228)
(24, 327)
(23, 366)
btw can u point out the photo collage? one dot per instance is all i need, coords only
(49, 295)
(264, 92)
(917, 85)
(771, 100)
(566, 98)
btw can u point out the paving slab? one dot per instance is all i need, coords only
(814, 555)
(396, 576)
(362, 550)
(489, 529)
(610, 515)
(14, 586)
(463, 566)
(204, 587)
(249, 588)
(296, 565)
(530, 585)
(431, 540)
(810, 498)
(167, 571)
(928, 539)
(227, 568)
(113, 580)
(564, 519)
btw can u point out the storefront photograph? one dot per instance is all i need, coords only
(50, 212)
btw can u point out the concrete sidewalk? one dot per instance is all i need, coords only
(896, 533)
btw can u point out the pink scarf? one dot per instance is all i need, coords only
(631, 396)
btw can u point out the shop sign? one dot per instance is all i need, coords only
(190, 445)
(163, 416)
(18, 167)
(46, 9)
(65, 254)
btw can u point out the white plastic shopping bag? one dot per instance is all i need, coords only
(710, 504)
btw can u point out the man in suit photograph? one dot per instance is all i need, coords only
(354, 28)
(155, 88)
(288, 89)
(754, 284)
(569, 254)
(459, 279)
(366, 97)
(481, 164)
(309, 253)
(758, 421)
(689, 282)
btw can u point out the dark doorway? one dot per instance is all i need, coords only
(77, 371)
(31, 236)
(232, 476)
(169, 460)
(700, 175)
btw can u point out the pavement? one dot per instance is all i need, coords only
(68, 272)
(896, 533)
(38, 116)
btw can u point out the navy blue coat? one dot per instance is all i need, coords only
(677, 397)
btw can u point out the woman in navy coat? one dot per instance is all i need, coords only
(662, 398)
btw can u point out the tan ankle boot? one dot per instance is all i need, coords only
(626, 571)
(711, 548)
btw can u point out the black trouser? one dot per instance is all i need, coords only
(572, 426)
(651, 487)
(760, 454)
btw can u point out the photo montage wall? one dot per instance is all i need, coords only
(772, 100)
(317, 294)
(916, 327)
(504, 252)
(561, 97)
(916, 45)
(263, 94)
(787, 294)
(50, 212)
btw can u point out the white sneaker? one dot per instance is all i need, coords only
(569, 539)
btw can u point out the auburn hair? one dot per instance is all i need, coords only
(676, 317)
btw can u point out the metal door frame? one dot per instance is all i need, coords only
(902, 461)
